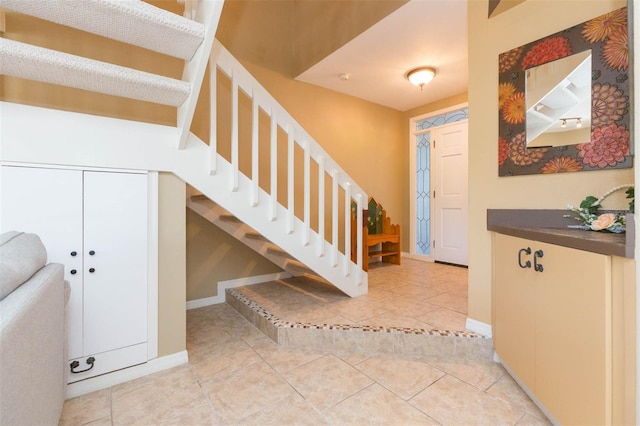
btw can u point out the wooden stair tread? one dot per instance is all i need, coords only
(229, 218)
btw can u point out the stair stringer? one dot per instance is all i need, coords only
(343, 273)
(84, 140)
(242, 232)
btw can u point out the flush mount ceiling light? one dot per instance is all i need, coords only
(421, 76)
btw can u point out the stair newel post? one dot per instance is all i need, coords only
(359, 239)
(290, 186)
(307, 194)
(213, 112)
(234, 132)
(274, 165)
(254, 152)
(321, 206)
(334, 218)
(347, 229)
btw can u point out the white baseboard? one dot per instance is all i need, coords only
(111, 379)
(239, 282)
(479, 327)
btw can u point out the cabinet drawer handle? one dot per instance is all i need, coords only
(75, 364)
(92, 270)
(537, 266)
(527, 264)
(74, 253)
(91, 252)
(73, 272)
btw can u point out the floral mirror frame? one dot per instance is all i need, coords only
(610, 145)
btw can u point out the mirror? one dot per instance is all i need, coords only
(558, 102)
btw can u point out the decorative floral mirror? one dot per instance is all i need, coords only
(606, 37)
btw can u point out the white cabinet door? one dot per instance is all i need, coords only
(115, 253)
(95, 224)
(48, 202)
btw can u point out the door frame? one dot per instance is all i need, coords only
(412, 176)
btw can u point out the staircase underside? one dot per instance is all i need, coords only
(224, 220)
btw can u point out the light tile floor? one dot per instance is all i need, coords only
(238, 376)
(414, 295)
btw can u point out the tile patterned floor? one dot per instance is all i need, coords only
(416, 295)
(238, 376)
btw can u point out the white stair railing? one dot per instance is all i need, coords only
(342, 186)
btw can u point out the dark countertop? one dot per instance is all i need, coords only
(549, 226)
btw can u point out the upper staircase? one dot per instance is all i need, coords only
(269, 173)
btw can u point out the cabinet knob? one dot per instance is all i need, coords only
(527, 264)
(73, 272)
(91, 252)
(74, 253)
(92, 270)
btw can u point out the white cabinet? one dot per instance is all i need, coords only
(95, 223)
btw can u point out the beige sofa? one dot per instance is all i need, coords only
(32, 333)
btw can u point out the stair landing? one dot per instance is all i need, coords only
(416, 308)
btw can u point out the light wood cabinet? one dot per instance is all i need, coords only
(95, 224)
(553, 326)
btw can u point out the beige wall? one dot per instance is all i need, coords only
(366, 139)
(487, 39)
(172, 322)
(261, 31)
(213, 255)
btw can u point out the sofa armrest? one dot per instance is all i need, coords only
(32, 350)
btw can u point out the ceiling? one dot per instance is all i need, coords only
(420, 33)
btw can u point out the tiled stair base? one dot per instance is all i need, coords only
(458, 344)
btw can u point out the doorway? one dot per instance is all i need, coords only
(438, 186)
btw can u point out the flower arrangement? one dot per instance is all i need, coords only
(606, 222)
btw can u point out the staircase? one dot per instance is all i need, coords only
(266, 184)
(247, 235)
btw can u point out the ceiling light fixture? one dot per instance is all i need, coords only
(563, 121)
(421, 76)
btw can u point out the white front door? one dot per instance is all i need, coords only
(450, 164)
